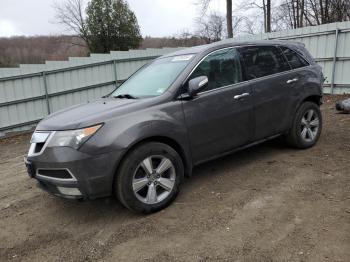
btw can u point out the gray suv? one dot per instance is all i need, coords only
(184, 108)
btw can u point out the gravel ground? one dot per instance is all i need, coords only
(267, 203)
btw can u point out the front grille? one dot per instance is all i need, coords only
(55, 173)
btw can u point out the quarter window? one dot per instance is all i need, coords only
(262, 61)
(294, 59)
(221, 67)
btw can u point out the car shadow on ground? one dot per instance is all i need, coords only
(110, 206)
(265, 150)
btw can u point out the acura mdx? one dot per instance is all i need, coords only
(139, 142)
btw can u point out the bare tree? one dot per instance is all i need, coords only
(299, 13)
(70, 14)
(268, 15)
(210, 28)
(248, 27)
(229, 18)
(204, 8)
(184, 38)
(288, 14)
(264, 6)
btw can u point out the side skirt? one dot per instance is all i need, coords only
(238, 149)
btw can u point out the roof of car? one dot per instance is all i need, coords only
(228, 43)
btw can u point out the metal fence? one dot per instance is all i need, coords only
(30, 92)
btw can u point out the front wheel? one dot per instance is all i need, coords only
(307, 126)
(149, 177)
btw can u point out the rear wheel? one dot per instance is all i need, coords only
(307, 126)
(149, 177)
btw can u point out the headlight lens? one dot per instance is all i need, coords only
(73, 138)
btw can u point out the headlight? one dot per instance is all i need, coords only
(73, 138)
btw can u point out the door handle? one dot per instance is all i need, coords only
(241, 96)
(292, 80)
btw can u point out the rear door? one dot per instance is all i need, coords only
(220, 117)
(271, 79)
(298, 63)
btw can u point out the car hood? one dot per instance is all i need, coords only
(87, 114)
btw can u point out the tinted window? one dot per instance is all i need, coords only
(221, 67)
(294, 59)
(262, 61)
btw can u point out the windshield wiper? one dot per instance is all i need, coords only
(127, 96)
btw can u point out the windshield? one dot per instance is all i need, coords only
(155, 78)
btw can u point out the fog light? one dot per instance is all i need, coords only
(69, 191)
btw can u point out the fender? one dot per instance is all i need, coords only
(311, 90)
(164, 123)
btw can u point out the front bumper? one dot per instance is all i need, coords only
(67, 191)
(91, 176)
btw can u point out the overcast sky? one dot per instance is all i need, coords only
(156, 17)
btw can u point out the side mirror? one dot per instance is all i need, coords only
(196, 85)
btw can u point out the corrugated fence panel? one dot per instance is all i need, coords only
(29, 93)
(342, 67)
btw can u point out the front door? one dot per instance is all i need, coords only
(220, 117)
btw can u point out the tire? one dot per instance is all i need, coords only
(149, 177)
(307, 126)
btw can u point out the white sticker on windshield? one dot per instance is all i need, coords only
(182, 58)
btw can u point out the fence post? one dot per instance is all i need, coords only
(334, 59)
(115, 73)
(46, 93)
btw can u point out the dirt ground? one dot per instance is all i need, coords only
(267, 203)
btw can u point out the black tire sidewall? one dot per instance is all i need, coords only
(295, 137)
(124, 190)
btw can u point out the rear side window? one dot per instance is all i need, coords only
(221, 67)
(262, 61)
(294, 59)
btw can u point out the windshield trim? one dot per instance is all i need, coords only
(193, 55)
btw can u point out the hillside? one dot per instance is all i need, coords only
(38, 49)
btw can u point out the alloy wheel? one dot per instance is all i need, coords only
(154, 179)
(309, 125)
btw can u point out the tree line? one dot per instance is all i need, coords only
(100, 26)
(257, 16)
(38, 49)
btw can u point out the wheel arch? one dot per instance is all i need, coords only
(314, 98)
(317, 99)
(186, 160)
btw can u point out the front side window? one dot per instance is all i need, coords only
(221, 67)
(155, 78)
(294, 59)
(262, 61)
